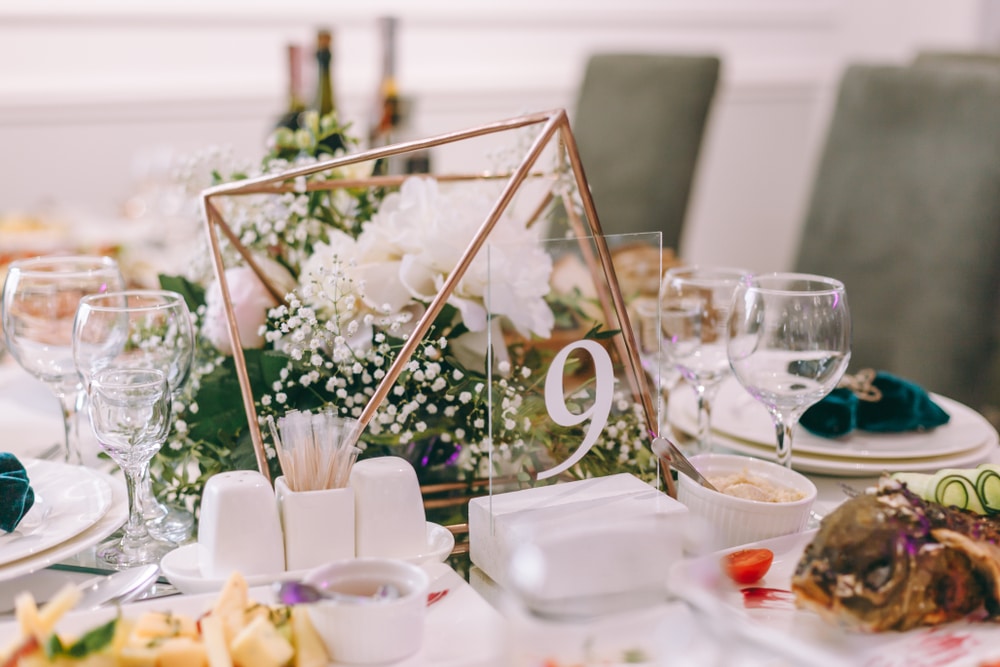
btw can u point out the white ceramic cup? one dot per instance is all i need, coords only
(376, 631)
(388, 508)
(239, 528)
(318, 525)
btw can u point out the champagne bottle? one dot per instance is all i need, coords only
(296, 105)
(325, 102)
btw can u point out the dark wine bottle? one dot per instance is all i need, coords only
(390, 111)
(295, 104)
(386, 112)
(325, 102)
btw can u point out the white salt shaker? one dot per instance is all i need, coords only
(239, 528)
(388, 508)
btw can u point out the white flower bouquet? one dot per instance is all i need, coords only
(351, 271)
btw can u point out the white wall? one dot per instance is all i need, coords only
(89, 94)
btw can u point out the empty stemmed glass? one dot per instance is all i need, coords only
(40, 298)
(139, 329)
(789, 344)
(695, 303)
(130, 415)
(653, 353)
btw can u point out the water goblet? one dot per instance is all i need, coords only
(40, 297)
(789, 345)
(653, 353)
(139, 329)
(130, 415)
(694, 310)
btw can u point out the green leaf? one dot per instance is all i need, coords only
(596, 332)
(194, 295)
(93, 641)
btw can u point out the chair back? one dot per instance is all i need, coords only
(905, 209)
(933, 58)
(638, 124)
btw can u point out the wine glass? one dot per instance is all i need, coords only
(130, 415)
(139, 329)
(695, 303)
(40, 297)
(789, 344)
(653, 353)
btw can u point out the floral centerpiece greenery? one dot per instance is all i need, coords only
(358, 267)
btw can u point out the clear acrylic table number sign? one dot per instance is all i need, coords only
(580, 412)
(578, 408)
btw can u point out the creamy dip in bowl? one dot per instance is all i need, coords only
(746, 485)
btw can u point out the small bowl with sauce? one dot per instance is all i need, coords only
(757, 499)
(362, 625)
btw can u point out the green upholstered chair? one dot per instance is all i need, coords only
(638, 123)
(936, 58)
(906, 211)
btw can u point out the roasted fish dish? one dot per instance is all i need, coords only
(889, 560)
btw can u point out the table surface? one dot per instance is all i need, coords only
(30, 425)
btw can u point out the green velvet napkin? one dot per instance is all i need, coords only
(16, 496)
(901, 406)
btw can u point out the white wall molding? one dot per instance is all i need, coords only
(501, 14)
(99, 83)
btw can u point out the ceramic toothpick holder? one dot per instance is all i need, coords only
(318, 525)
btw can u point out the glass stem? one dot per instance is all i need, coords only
(152, 509)
(704, 422)
(705, 394)
(783, 430)
(135, 534)
(70, 401)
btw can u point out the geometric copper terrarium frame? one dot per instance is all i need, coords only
(550, 125)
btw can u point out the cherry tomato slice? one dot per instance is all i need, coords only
(748, 566)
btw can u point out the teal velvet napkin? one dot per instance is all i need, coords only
(16, 496)
(900, 406)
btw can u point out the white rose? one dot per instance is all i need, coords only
(426, 227)
(250, 300)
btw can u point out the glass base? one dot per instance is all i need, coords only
(174, 525)
(115, 554)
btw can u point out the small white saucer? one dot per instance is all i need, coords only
(440, 542)
(181, 567)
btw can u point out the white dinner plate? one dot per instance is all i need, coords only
(107, 524)
(738, 416)
(70, 500)
(860, 467)
(866, 467)
(461, 629)
(181, 567)
(802, 636)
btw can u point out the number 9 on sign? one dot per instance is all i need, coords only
(599, 411)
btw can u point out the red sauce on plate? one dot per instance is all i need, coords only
(757, 597)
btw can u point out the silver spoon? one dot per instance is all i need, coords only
(670, 454)
(299, 592)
